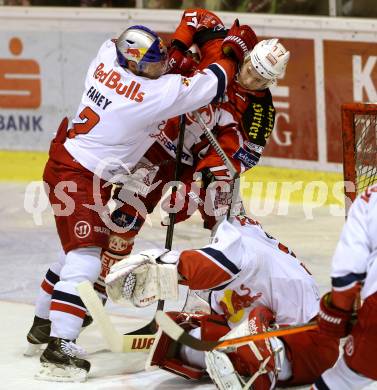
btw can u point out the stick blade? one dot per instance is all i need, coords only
(178, 334)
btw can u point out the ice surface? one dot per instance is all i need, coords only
(26, 251)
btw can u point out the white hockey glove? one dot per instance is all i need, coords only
(144, 278)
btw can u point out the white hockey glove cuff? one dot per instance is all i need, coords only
(141, 280)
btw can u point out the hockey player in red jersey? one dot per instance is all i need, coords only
(242, 122)
(126, 96)
(254, 282)
(353, 275)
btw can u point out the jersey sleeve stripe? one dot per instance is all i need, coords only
(220, 258)
(221, 77)
(347, 280)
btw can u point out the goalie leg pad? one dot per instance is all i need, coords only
(221, 371)
(255, 360)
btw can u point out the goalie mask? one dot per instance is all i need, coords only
(144, 47)
(263, 65)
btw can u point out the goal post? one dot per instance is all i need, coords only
(359, 132)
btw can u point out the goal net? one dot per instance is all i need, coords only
(359, 130)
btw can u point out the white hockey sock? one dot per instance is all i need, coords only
(67, 309)
(43, 302)
(340, 376)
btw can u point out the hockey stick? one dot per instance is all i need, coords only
(177, 173)
(116, 341)
(229, 165)
(178, 334)
(151, 327)
(235, 177)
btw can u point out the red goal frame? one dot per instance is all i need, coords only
(349, 112)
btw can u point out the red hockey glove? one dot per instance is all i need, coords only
(239, 41)
(194, 21)
(180, 63)
(333, 321)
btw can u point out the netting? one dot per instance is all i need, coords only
(365, 151)
(359, 131)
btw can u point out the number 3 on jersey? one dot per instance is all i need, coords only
(90, 119)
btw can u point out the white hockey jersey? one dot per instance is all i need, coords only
(119, 113)
(245, 267)
(355, 257)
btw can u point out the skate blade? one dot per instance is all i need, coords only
(33, 349)
(53, 373)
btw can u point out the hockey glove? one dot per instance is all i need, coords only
(196, 21)
(333, 321)
(239, 41)
(144, 278)
(180, 63)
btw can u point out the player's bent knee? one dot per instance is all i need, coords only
(82, 264)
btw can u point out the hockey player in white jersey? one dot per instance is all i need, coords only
(254, 281)
(231, 121)
(354, 273)
(126, 96)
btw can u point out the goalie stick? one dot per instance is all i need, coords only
(178, 334)
(116, 341)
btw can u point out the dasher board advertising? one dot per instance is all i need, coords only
(44, 56)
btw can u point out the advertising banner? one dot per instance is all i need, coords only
(43, 62)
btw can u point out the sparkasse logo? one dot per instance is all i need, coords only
(20, 89)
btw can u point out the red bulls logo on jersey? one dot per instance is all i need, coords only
(233, 304)
(111, 79)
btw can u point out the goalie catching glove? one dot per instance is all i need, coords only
(144, 278)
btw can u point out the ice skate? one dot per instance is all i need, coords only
(61, 362)
(39, 334)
